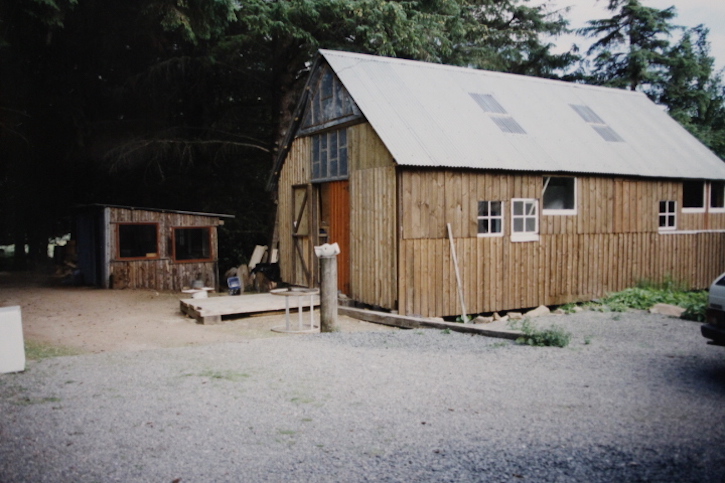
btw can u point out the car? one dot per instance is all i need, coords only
(714, 327)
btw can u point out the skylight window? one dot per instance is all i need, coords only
(498, 114)
(598, 124)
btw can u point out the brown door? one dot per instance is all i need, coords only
(335, 226)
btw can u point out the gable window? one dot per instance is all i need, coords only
(138, 240)
(524, 219)
(717, 196)
(559, 196)
(329, 156)
(693, 196)
(490, 218)
(192, 244)
(668, 215)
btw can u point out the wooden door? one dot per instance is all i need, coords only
(334, 226)
(301, 236)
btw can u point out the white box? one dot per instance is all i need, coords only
(12, 348)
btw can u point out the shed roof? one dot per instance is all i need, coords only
(435, 115)
(159, 210)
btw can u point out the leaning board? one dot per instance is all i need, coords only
(211, 310)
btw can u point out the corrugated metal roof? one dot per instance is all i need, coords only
(426, 116)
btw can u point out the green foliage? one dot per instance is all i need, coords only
(645, 298)
(631, 46)
(696, 307)
(553, 336)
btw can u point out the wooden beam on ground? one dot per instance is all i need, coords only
(406, 322)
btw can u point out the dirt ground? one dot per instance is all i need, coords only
(96, 320)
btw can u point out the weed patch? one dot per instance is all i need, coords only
(36, 351)
(553, 336)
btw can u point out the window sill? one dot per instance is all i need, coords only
(489, 235)
(693, 210)
(559, 212)
(525, 238)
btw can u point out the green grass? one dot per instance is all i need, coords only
(552, 336)
(36, 351)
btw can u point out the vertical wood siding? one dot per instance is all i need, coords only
(610, 244)
(161, 273)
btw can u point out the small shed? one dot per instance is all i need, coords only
(128, 247)
(555, 192)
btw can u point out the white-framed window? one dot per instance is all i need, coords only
(490, 218)
(717, 196)
(524, 219)
(693, 196)
(668, 215)
(559, 196)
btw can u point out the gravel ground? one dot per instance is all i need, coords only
(635, 397)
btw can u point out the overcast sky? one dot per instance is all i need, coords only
(690, 13)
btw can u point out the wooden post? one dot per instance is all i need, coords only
(328, 294)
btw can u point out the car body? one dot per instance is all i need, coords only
(714, 328)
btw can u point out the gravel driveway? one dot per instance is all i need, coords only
(635, 397)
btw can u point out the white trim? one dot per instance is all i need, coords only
(667, 214)
(491, 218)
(518, 236)
(525, 237)
(688, 232)
(693, 210)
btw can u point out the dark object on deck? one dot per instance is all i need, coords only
(269, 270)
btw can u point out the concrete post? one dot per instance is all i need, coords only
(328, 294)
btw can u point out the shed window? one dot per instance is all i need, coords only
(693, 196)
(524, 219)
(717, 196)
(668, 215)
(559, 196)
(138, 240)
(490, 218)
(193, 243)
(329, 156)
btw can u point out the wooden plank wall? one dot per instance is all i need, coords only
(373, 263)
(373, 219)
(161, 273)
(296, 171)
(610, 244)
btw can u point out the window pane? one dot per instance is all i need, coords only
(531, 225)
(343, 162)
(192, 243)
(137, 241)
(693, 194)
(496, 225)
(559, 194)
(663, 207)
(483, 208)
(663, 220)
(495, 208)
(518, 224)
(717, 194)
(671, 220)
(671, 206)
(518, 208)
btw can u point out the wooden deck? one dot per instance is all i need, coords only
(211, 310)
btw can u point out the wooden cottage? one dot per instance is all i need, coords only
(555, 192)
(126, 247)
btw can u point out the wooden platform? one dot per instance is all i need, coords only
(211, 310)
